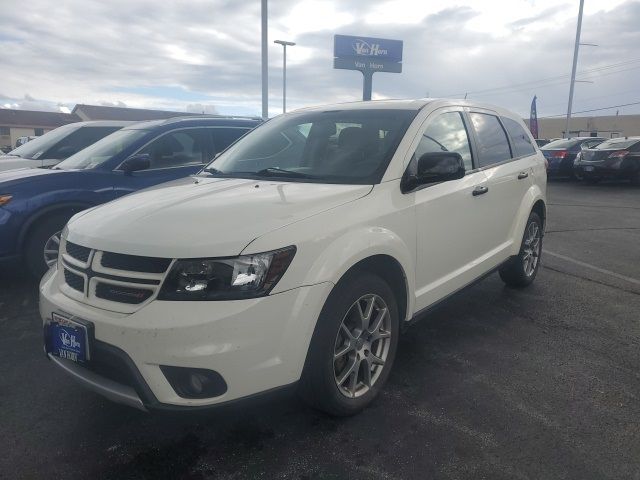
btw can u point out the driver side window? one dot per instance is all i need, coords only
(446, 133)
(175, 149)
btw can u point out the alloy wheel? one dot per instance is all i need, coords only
(51, 249)
(531, 251)
(362, 345)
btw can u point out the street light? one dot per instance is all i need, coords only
(284, 44)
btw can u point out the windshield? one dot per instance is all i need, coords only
(616, 144)
(339, 146)
(38, 146)
(102, 150)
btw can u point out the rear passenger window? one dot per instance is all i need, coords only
(520, 139)
(446, 133)
(492, 139)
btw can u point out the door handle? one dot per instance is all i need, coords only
(522, 175)
(480, 190)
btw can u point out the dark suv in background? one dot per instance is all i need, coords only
(562, 153)
(618, 158)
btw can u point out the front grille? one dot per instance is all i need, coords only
(121, 294)
(74, 280)
(78, 251)
(134, 263)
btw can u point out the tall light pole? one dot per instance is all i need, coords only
(265, 62)
(573, 69)
(284, 71)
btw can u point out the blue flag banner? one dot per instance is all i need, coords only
(533, 118)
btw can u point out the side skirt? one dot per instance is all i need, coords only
(421, 314)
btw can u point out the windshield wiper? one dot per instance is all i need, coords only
(281, 172)
(213, 171)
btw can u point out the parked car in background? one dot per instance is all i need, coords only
(54, 146)
(22, 140)
(562, 153)
(618, 158)
(541, 142)
(35, 204)
(296, 256)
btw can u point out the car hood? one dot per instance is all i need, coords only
(21, 175)
(206, 217)
(11, 163)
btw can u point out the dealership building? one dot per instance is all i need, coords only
(27, 123)
(607, 126)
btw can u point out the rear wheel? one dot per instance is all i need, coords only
(353, 346)
(521, 270)
(43, 243)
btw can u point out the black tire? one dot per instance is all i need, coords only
(36, 240)
(318, 385)
(514, 273)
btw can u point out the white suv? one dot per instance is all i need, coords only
(295, 257)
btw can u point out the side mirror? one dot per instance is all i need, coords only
(435, 167)
(135, 163)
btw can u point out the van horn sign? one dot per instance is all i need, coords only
(367, 55)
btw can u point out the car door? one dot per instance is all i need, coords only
(175, 154)
(447, 214)
(508, 161)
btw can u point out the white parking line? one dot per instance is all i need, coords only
(593, 267)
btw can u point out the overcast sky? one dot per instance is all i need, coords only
(204, 55)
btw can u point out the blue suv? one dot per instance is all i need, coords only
(35, 204)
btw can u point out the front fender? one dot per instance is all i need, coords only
(533, 194)
(328, 259)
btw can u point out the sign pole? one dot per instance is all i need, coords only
(265, 63)
(367, 84)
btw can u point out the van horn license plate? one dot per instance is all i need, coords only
(67, 339)
(588, 169)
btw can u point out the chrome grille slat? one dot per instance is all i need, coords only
(115, 281)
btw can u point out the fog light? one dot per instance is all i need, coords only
(194, 382)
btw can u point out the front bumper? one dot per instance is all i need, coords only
(256, 345)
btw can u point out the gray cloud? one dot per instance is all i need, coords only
(196, 54)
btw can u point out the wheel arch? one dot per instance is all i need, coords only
(66, 207)
(533, 201)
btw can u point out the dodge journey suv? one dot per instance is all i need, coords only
(296, 256)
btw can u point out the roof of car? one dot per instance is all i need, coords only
(405, 104)
(102, 123)
(195, 120)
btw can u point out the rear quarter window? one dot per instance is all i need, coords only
(520, 140)
(492, 139)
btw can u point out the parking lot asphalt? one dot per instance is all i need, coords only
(498, 383)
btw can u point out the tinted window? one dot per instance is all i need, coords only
(182, 147)
(446, 133)
(338, 146)
(561, 144)
(78, 140)
(492, 140)
(616, 144)
(223, 137)
(520, 139)
(103, 150)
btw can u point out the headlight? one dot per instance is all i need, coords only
(247, 276)
(4, 199)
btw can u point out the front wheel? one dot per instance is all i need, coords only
(43, 243)
(521, 270)
(353, 346)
